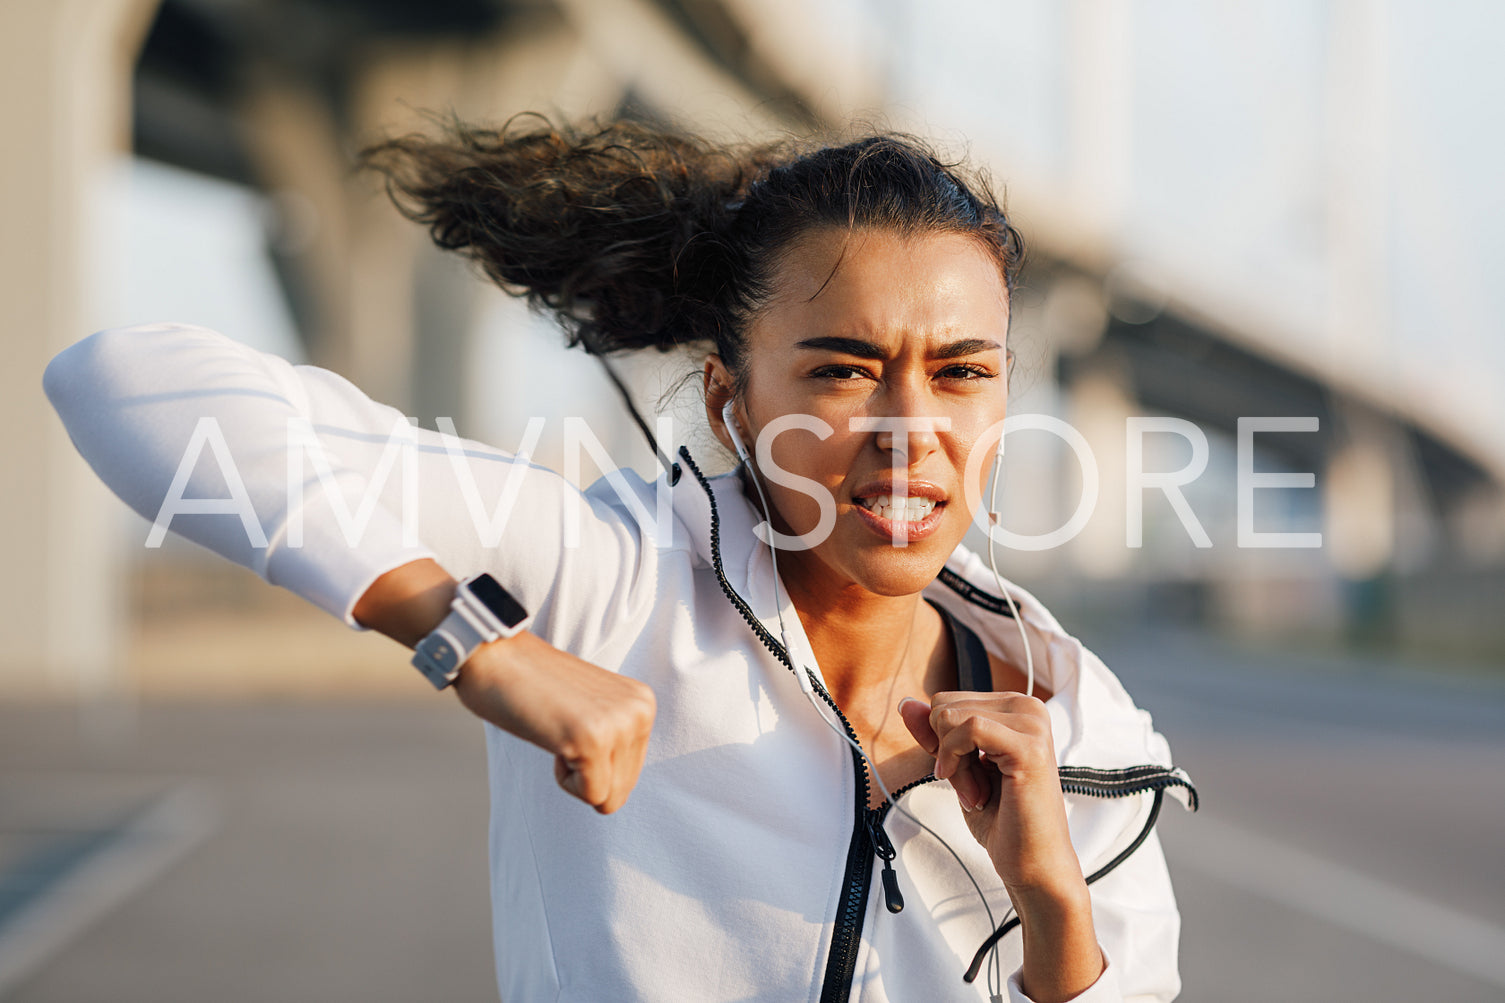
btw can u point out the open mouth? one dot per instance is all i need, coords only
(902, 519)
(898, 508)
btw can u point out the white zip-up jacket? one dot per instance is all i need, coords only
(743, 866)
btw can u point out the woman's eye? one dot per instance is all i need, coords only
(966, 372)
(840, 373)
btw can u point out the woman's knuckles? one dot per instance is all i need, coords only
(945, 719)
(1024, 703)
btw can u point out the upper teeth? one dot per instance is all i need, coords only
(898, 508)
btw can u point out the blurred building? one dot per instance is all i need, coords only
(1234, 212)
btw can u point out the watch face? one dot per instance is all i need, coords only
(498, 600)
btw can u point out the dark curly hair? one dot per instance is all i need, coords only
(640, 235)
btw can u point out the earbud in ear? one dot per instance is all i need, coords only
(729, 418)
(993, 493)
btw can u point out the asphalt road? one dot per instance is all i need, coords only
(1347, 849)
(1353, 814)
(296, 851)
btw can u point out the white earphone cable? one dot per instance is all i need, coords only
(1029, 658)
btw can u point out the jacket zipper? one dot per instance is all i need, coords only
(847, 936)
(1117, 783)
(769, 641)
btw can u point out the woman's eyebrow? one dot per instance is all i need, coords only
(967, 346)
(846, 346)
(870, 350)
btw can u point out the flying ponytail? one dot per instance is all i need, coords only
(615, 226)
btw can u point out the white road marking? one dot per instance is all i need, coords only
(131, 860)
(1342, 896)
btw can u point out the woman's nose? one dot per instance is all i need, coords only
(903, 423)
(911, 435)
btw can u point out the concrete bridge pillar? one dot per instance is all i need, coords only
(67, 66)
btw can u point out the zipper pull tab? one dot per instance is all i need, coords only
(892, 897)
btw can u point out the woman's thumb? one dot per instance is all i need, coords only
(916, 717)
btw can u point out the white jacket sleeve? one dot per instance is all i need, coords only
(321, 490)
(1138, 928)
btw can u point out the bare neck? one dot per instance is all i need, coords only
(873, 650)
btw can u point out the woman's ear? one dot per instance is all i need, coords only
(718, 385)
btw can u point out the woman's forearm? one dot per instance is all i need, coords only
(407, 602)
(998, 752)
(1062, 958)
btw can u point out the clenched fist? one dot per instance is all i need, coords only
(998, 753)
(595, 722)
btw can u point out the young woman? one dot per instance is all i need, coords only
(859, 764)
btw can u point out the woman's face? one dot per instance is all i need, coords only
(866, 326)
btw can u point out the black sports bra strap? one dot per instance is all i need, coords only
(973, 671)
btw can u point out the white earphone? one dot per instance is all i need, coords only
(807, 687)
(729, 419)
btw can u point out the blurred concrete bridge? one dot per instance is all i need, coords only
(1289, 300)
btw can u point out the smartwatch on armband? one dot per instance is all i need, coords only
(482, 611)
